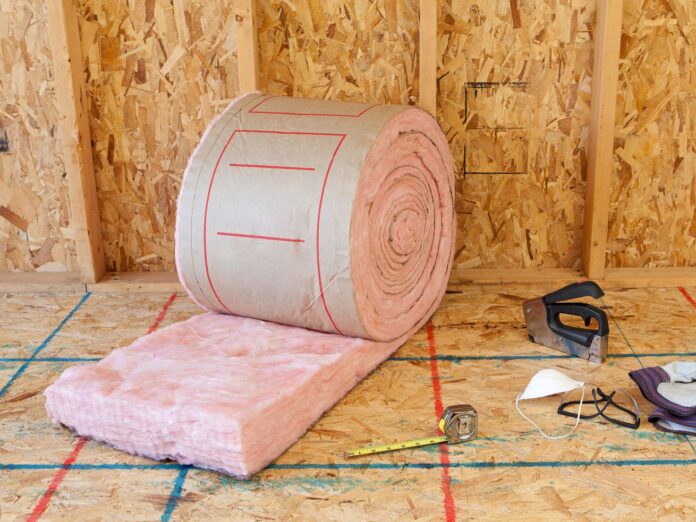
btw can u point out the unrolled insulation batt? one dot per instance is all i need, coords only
(319, 235)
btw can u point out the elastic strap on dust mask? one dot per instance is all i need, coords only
(551, 437)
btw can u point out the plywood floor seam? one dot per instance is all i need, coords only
(475, 350)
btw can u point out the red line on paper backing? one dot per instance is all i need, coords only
(279, 167)
(205, 222)
(318, 225)
(255, 236)
(321, 203)
(285, 133)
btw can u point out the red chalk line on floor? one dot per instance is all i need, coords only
(162, 314)
(450, 513)
(45, 499)
(57, 479)
(687, 296)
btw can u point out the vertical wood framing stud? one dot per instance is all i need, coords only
(75, 140)
(427, 57)
(600, 146)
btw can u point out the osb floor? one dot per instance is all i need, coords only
(482, 357)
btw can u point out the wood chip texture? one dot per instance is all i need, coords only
(514, 91)
(157, 73)
(652, 217)
(34, 205)
(514, 100)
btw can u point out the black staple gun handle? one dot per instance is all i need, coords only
(587, 311)
(574, 291)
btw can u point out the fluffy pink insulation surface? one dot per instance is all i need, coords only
(216, 391)
(327, 216)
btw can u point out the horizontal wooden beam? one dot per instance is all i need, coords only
(460, 279)
(552, 276)
(138, 282)
(31, 282)
(16, 282)
(556, 277)
(650, 277)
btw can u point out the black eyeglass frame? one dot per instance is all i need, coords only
(609, 401)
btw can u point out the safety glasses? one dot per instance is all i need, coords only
(618, 407)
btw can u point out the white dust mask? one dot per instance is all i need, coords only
(544, 384)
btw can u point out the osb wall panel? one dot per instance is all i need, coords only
(352, 50)
(514, 96)
(158, 71)
(34, 207)
(652, 219)
(514, 100)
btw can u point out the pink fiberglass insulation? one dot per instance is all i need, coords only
(317, 216)
(217, 391)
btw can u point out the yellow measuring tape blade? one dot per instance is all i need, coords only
(415, 443)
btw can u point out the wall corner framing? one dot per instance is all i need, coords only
(74, 136)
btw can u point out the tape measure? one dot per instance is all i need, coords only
(458, 423)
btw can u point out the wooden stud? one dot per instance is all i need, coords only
(75, 137)
(247, 45)
(427, 56)
(600, 146)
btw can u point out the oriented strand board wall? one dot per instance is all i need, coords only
(158, 71)
(514, 100)
(515, 88)
(652, 219)
(352, 50)
(34, 208)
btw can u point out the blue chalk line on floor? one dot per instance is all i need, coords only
(490, 464)
(87, 467)
(405, 358)
(183, 470)
(175, 495)
(43, 345)
(461, 358)
(50, 359)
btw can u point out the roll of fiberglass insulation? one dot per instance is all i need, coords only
(327, 215)
(320, 236)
